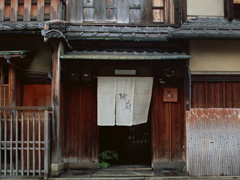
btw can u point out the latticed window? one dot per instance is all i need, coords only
(4, 86)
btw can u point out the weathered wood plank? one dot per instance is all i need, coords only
(232, 95)
(146, 12)
(198, 95)
(40, 10)
(27, 10)
(100, 11)
(172, 12)
(75, 10)
(54, 9)
(215, 95)
(56, 150)
(2, 10)
(134, 11)
(88, 14)
(14, 10)
(123, 11)
(71, 124)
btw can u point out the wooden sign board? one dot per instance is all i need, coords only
(236, 1)
(170, 94)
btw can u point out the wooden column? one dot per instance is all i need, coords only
(56, 138)
(187, 102)
(12, 86)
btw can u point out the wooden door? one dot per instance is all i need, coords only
(80, 130)
(167, 126)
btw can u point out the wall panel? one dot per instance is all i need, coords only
(167, 126)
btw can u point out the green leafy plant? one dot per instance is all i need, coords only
(106, 156)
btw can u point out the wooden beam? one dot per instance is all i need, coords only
(40, 10)
(14, 10)
(27, 10)
(26, 108)
(56, 150)
(2, 10)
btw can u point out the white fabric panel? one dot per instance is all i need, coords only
(142, 99)
(106, 99)
(123, 101)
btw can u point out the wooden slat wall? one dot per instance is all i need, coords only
(213, 141)
(80, 124)
(215, 95)
(29, 10)
(124, 11)
(36, 95)
(167, 125)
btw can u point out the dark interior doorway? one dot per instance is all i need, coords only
(133, 144)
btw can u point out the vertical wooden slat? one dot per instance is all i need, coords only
(123, 11)
(54, 9)
(1, 143)
(17, 116)
(11, 144)
(5, 146)
(33, 151)
(14, 10)
(172, 12)
(146, 12)
(47, 147)
(111, 10)
(2, 10)
(22, 129)
(75, 10)
(28, 146)
(167, 12)
(39, 144)
(27, 10)
(40, 10)
(100, 11)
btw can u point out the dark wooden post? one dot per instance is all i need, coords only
(187, 102)
(56, 139)
(12, 86)
(228, 9)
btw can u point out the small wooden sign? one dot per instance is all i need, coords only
(170, 94)
(236, 1)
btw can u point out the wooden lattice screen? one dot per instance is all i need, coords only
(29, 10)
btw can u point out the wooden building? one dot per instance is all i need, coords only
(53, 54)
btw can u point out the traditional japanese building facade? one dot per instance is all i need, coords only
(54, 53)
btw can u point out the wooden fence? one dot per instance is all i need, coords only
(24, 141)
(213, 142)
(30, 10)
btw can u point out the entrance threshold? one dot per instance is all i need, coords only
(122, 172)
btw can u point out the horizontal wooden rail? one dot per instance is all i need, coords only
(27, 108)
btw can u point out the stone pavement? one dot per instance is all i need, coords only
(132, 173)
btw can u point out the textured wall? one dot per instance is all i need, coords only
(203, 8)
(215, 56)
(213, 142)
